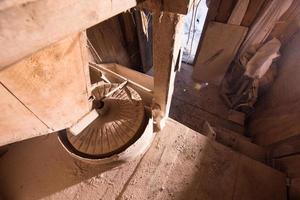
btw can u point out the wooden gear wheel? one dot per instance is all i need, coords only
(119, 124)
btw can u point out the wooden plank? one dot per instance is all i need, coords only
(178, 6)
(225, 10)
(142, 83)
(294, 190)
(263, 25)
(167, 30)
(145, 38)
(290, 165)
(238, 12)
(258, 181)
(288, 24)
(183, 164)
(174, 6)
(217, 52)
(276, 117)
(108, 40)
(213, 7)
(30, 27)
(240, 144)
(52, 83)
(254, 8)
(16, 121)
(180, 164)
(129, 29)
(286, 147)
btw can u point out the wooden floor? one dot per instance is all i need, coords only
(181, 164)
(193, 107)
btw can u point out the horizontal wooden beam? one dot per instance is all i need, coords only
(174, 6)
(33, 25)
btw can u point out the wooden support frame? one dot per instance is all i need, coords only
(167, 20)
(167, 41)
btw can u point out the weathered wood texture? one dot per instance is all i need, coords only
(178, 169)
(290, 165)
(180, 164)
(142, 83)
(129, 28)
(193, 107)
(27, 28)
(288, 24)
(263, 25)
(4, 4)
(167, 30)
(174, 6)
(145, 37)
(294, 191)
(253, 10)
(225, 9)
(178, 6)
(277, 114)
(108, 40)
(238, 12)
(53, 83)
(16, 121)
(275, 122)
(217, 52)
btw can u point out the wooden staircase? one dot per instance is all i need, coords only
(236, 141)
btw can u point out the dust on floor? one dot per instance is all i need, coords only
(192, 106)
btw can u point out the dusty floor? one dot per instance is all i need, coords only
(192, 107)
(181, 164)
(171, 169)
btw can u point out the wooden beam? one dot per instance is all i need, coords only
(253, 10)
(174, 6)
(167, 28)
(238, 12)
(29, 27)
(178, 6)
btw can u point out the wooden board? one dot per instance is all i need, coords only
(16, 121)
(253, 10)
(276, 117)
(220, 44)
(180, 164)
(53, 83)
(27, 28)
(108, 40)
(263, 25)
(238, 12)
(290, 165)
(145, 37)
(294, 191)
(288, 24)
(129, 29)
(183, 164)
(225, 10)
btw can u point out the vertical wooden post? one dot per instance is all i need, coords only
(167, 29)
